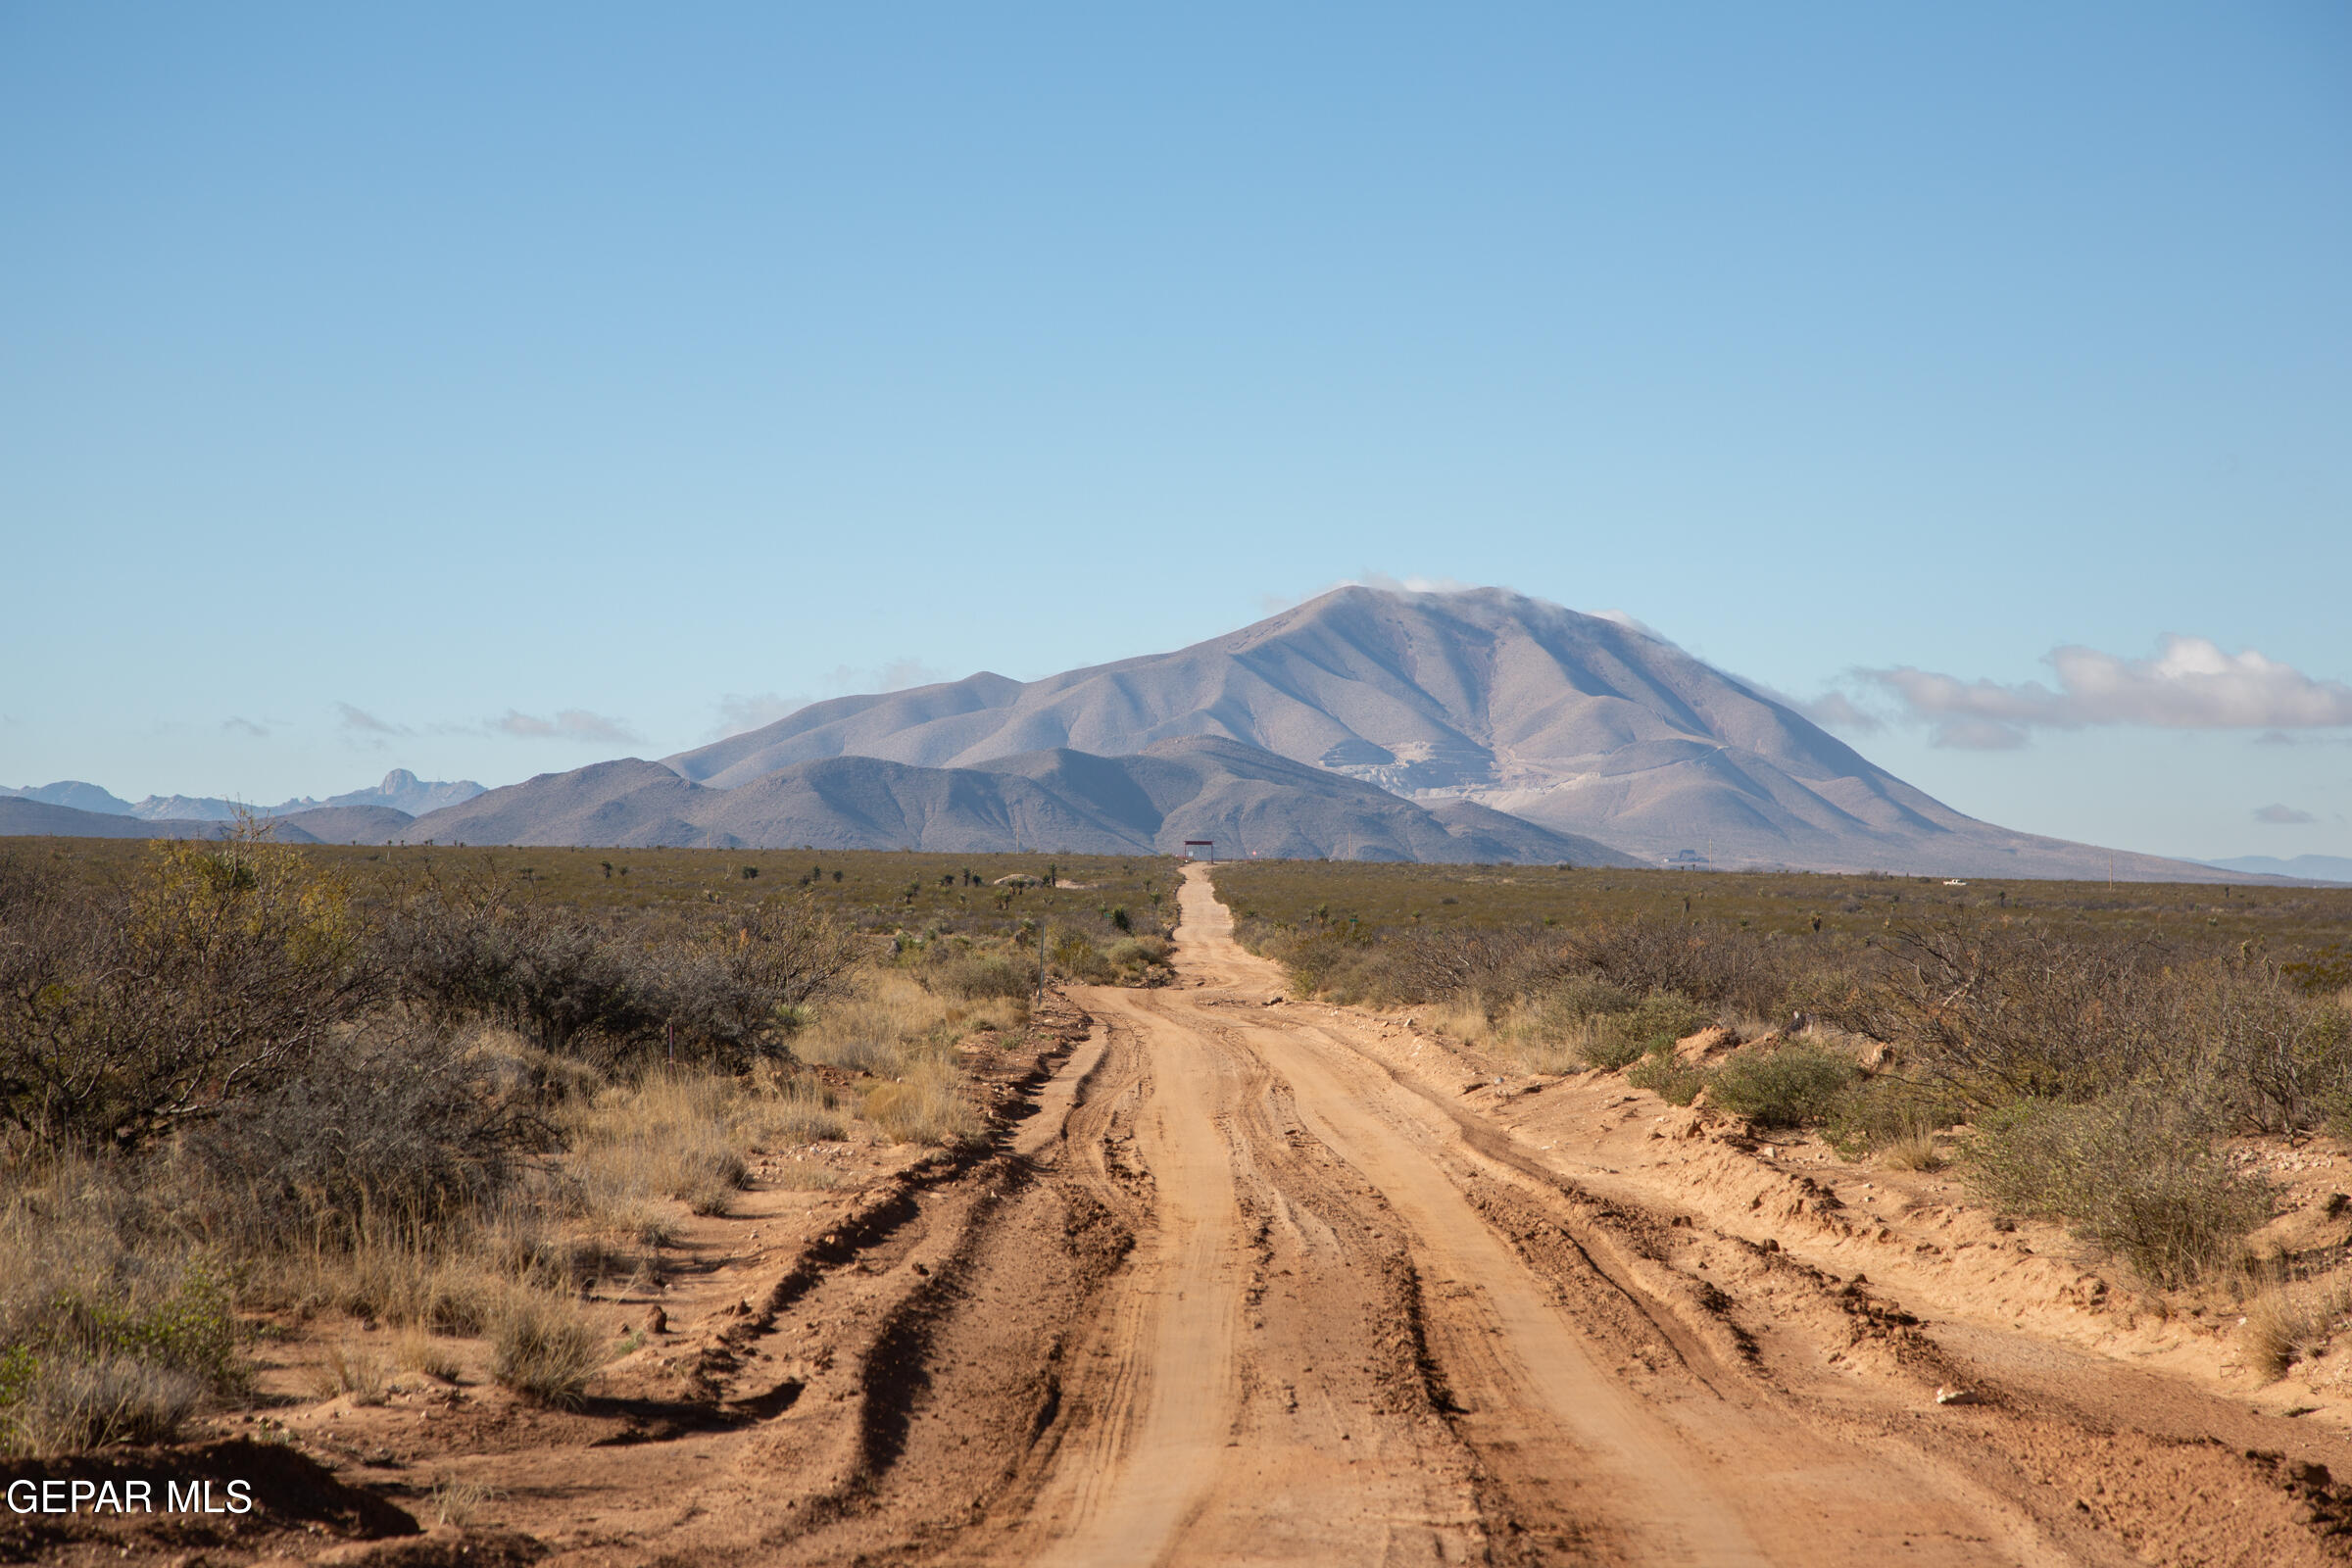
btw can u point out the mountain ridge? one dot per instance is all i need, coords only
(1581, 725)
(1248, 799)
(400, 790)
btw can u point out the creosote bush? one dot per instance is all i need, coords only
(127, 1014)
(1652, 1024)
(2136, 1171)
(385, 1120)
(1667, 1076)
(1789, 1085)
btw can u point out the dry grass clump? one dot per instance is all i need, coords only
(782, 1111)
(2293, 1321)
(1568, 1024)
(925, 1106)
(354, 1370)
(976, 977)
(1912, 1150)
(898, 1029)
(670, 1136)
(111, 1329)
(544, 1348)
(446, 1279)
(460, 1502)
(71, 1406)
(890, 1015)
(416, 1350)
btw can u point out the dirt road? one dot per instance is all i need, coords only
(1326, 1352)
(1255, 1281)
(1360, 1324)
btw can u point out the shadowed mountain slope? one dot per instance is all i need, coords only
(72, 792)
(1578, 723)
(1248, 800)
(23, 818)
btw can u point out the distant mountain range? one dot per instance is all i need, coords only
(1479, 725)
(402, 791)
(2304, 868)
(324, 824)
(1247, 800)
(1578, 723)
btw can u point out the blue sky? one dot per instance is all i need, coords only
(491, 390)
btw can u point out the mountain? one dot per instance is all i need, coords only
(1196, 787)
(20, 817)
(190, 809)
(400, 791)
(2303, 867)
(1581, 725)
(72, 792)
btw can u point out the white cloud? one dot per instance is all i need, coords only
(1831, 710)
(1276, 604)
(2283, 816)
(360, 721)
(1836, 710)
(1626, 619)
(246, 727)
(571, 724)
(2190, 684)
(1406, 585)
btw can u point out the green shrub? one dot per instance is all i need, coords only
(981, 976)
(1789, 1087)
(1652, 1025)
(1077, 957)
(1573, 1002)
(2137, 1172)
(1669, 1077)
(1137, 953)
(1881, 1114)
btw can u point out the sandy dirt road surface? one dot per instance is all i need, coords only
(1357, 1318)
(1326, 1350)
(1248, 1279)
